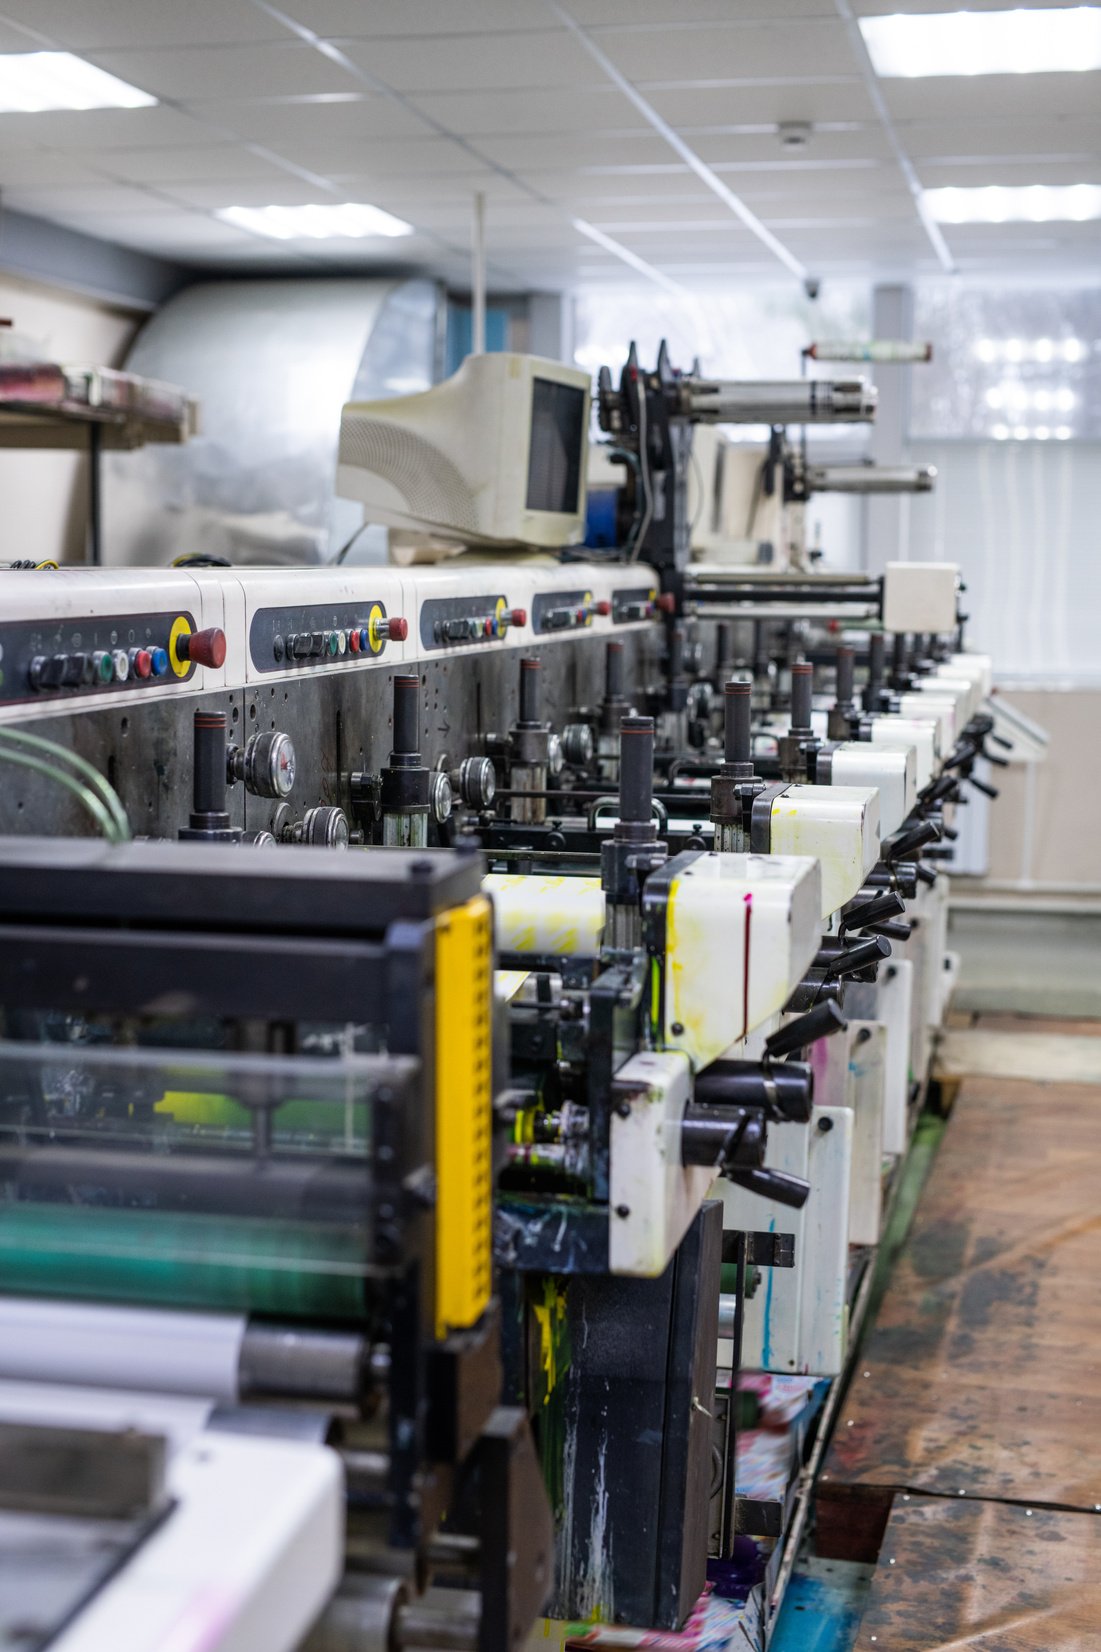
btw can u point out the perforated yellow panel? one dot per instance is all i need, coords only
(464, 1103)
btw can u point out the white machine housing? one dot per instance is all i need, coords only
(920, 596)
(892, 771)
(839, 826)
(495, 455)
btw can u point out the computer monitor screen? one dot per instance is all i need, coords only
(557, 434)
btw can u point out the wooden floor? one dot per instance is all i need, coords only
(992, 1576)
(978, 1394)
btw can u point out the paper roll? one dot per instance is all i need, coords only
(542, 916)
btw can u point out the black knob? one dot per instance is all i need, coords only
(325, 826)
(776, 1185)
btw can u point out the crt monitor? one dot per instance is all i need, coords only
(493, 456)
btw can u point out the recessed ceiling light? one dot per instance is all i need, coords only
(327, 221)
(1029, 203)
(1019, 42)
(34, 82)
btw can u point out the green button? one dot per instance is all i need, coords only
(334, 642)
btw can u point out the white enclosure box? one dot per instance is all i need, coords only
(849, 1071)
(652, 1195)
(740, 933)
(921, 734)
(892, 771)
(494, 455)
(979, 667)
(839, 826)
(940, 707)
(920, 596)
(797, 1320)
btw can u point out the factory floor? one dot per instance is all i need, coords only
(960, 1501)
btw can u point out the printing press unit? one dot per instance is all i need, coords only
(494, 1020)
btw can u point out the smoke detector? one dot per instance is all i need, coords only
(795, 134)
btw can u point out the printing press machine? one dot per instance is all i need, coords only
(416, 1189)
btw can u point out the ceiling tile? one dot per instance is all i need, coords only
(198, 72)
(95, 25)
(87, 131)
(165, 166)
(362, 18)
(602, 14)
(461, 63)
(731, 51)
(284, 122)
(993, 97)
(839, 99)
(576, 149)
(593, 109)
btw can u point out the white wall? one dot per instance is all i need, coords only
(1023, 520)
(45, 494)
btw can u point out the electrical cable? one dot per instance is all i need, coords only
(106, 791)
(644, 473)
(348, 543)
(83, 795)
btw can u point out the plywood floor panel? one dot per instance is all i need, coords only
(982, 1375)
(996, 1577)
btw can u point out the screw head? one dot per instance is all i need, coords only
(623, 1210)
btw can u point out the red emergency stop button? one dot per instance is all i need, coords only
(203, 647)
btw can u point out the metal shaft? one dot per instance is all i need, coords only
(407, 715)
(636, 769)
(802, 681)
(529, 690)
(737, 702)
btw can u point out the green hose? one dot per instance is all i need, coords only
(248, 1265)
(95, 780)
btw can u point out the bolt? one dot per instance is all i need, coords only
(825, 1125)
(623, 1210)
(623, 1108)
(677, 1028)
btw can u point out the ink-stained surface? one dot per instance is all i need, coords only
(993, 1576)
(982, 1376)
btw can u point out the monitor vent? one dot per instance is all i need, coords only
(432, 487)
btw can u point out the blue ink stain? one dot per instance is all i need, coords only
(766, 1333)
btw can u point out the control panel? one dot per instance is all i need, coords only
(450, 622)
(635, 602)
(320, 634)
(566, 611)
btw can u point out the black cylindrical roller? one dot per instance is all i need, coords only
(209, 779)
(846, 658)
(864, 955)
(636, 768)
(818, 1023)
(776, 1185)
(737, 703)
(877, 653)
(677, 639)
(613, 657)
(802, 681)
(722, 649)
(899, 655)
(721, 1136)
(783, 1092)
(529, 690)
(407, 714)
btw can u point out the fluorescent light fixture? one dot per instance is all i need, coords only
(327, 221)
(1019, 42)
(1041, 433)
(1000, 432)
(1063, 433)
(34, 82)
(991, 350)
(1018, 204)
(1020, 433)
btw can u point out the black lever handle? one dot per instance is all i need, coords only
(981, 786)
(892, 931)
(819, 1022)
(925, 873)
(865, 955)
(905, 847)
(992, 757)
(874, 911)
(773, 1184)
